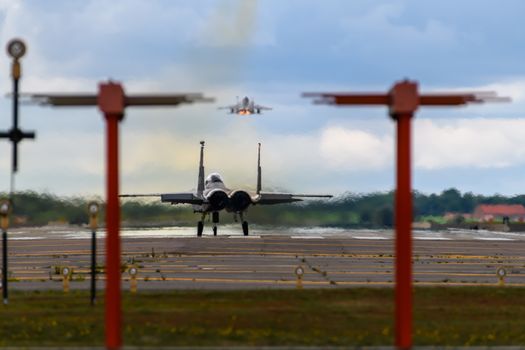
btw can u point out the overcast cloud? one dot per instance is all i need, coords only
(272, 51)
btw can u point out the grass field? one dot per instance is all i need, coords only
(360, 316)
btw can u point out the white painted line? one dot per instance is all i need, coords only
(244, 237)
(307, 237)
(369, 237)
(493, 239)
(427, 238)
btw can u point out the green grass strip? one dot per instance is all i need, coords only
(451, 316)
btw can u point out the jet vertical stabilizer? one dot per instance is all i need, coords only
(200, 185)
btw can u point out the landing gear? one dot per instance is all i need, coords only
(200, 225)
(244, 225)
(215, 219)
(200, 228)
(245, 228)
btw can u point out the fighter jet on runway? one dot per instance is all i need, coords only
(246, 107)
(212, 196)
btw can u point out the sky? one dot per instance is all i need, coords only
(272, 51)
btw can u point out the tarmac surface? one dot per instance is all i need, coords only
(265, 261)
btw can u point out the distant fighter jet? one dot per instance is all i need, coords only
(212, 196)
(246, 107)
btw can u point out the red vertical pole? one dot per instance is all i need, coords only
(111, 101)
(113, 302)
(403, 217)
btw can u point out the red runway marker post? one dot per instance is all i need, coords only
(112, 102)
(403, 100)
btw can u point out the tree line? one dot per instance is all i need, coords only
(346, 210)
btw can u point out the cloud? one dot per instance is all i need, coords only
(355, 150)
(478, 143)
(383, 29)
(469, 143)
(168, 162)
(232, 24)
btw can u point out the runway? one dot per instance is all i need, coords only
(265, 261)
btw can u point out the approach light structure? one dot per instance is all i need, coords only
(402, 101)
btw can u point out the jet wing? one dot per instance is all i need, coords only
(279, 198)
(173, 198)
(262, 108)
(180, 198)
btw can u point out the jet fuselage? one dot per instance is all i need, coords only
(217, 197)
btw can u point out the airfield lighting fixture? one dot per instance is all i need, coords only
(16, 48)
(133, 271)
(66, 271)
(299, 271)
(501, 273)
(66, 274)
(93, 208)
(4, 207)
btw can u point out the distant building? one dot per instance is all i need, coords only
(499, 212)
(451, 216)
(20, 220)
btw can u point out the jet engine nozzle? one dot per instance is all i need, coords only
(239, 201)
(218, 200)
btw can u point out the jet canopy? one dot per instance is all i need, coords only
(213, 178)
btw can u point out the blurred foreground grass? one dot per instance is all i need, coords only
(357, 316)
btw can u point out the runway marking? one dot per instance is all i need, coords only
(245, 237)
(62, 243)
(283, 254)
(308, 244)
(233, 280)
(199, 279)
(423, 238)
(342, 243)
(60, 254)
(423, 273)
(350, 255)
(439, 284)
(494, 239)
(284, 282)
(196, 272)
